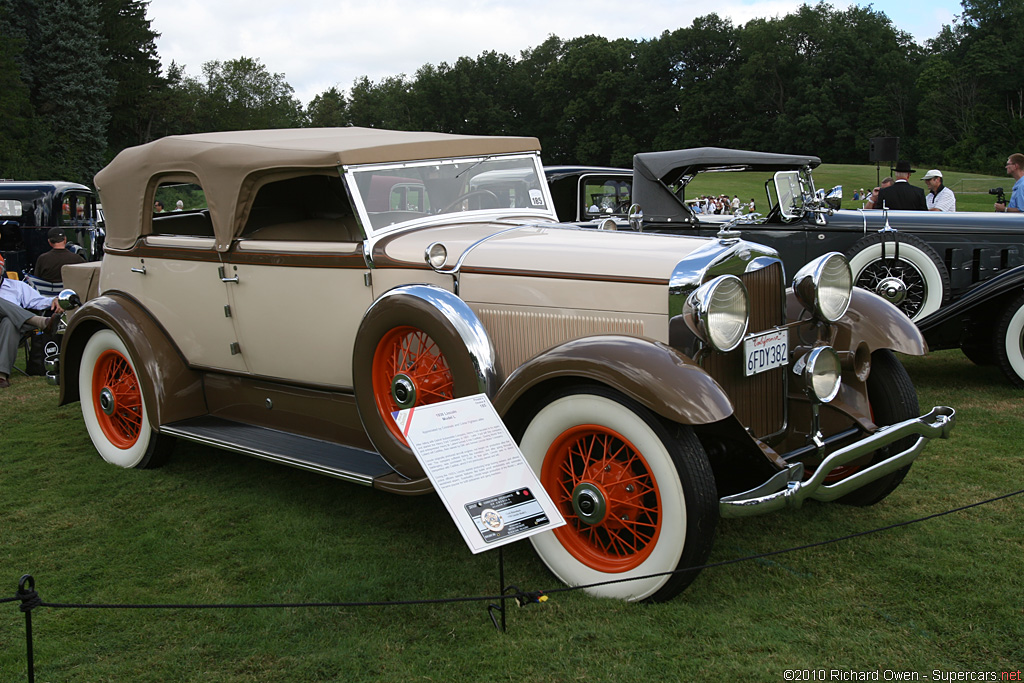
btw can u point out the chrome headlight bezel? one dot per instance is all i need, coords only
(719, 312)
(825, 286)
(822, 373)
(435, 255)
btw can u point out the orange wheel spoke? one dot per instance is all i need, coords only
(594, 458)
(412, 354)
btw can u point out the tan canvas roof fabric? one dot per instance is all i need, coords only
(225, 162)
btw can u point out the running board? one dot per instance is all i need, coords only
(323, 457)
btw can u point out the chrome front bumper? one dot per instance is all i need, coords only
(786, 489)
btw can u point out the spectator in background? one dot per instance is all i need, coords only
(1014, 169)
(17, 301)
(49, 263)
(179, 205)
(873, 197)
(158, 206)
(939, 197)
(901, 195)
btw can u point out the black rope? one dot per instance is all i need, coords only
(521, 597)
(816, 544)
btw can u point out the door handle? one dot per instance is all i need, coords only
(223, 276)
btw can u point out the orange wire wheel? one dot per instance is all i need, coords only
(608, 496)
(117, 399)
(409, 370)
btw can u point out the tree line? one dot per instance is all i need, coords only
(81, 80)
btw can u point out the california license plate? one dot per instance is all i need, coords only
(765, 351)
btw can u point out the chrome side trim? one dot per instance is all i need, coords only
(785, 489)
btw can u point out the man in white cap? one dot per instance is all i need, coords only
(939, 197)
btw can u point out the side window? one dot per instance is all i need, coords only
(606, 196)
(77, 210)
(179, 208)
(311, 208)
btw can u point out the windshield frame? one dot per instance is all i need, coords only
(352, 173)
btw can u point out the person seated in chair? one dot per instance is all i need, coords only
(17, 301)
(49, 263)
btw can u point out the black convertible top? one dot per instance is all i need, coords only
(672, 165)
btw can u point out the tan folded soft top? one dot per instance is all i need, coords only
(229, 164)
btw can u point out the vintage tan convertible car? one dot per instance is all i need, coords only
(311, 282)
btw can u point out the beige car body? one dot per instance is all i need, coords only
(239, 326)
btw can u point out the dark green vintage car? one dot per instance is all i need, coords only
(921, 261)
(28, 209)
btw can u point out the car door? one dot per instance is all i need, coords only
(298, 283)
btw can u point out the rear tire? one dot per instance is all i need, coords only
(114, 408)
(1008, 343)
(637, 494)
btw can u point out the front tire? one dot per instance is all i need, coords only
(637, 494)
(893, 399)
(1009, 342)
(917, 282)
(114, 408)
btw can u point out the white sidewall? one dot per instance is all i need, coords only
(908, 252)
(122, 457)
(581, 409)
(1012, 342)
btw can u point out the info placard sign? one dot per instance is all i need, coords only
(478, 470)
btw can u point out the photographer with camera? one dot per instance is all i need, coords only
(1014, 169)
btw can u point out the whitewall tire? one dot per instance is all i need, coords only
(917, 282)
(113, 407)
(637, 493)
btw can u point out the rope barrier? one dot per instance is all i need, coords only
(521, 597)
(29, 597)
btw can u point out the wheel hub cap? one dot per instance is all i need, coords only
(403, 391)
(892, 289)
(107, 402)
(589, 503)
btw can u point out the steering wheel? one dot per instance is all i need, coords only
(471, 193)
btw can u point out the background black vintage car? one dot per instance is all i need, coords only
(920, 261)
(28, 209)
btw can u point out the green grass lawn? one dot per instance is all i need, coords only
(211, 527)
(851, 177)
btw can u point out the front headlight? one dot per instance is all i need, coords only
(718, 312)
(824, 286)
(821, 373)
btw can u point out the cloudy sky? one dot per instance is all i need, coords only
(318, 44)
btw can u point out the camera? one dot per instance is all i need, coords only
(1000, 197)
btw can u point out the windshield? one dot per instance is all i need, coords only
(387, 195)
(790, 195)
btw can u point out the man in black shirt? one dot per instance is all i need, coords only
(901, 194)
(49, 263)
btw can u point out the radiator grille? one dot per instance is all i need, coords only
(760, 400)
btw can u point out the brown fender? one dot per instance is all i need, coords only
(872, 320)
(172, 391)
(655, 374)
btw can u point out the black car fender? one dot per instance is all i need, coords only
(946, 327)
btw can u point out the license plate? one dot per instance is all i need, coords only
(765, 351)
